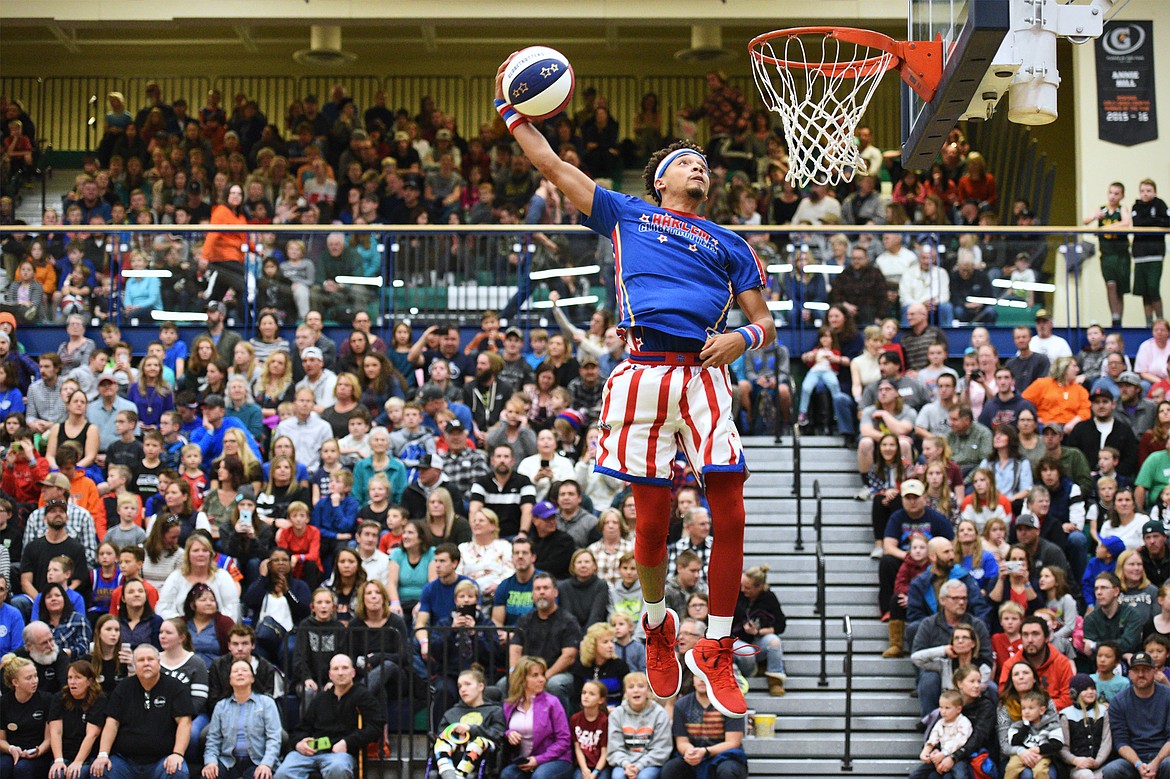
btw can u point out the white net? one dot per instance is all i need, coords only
(820, 86)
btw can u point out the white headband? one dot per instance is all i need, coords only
(674, 155)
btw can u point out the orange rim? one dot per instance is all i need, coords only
(855, 69)
(918, 62)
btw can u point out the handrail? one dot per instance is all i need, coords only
(776, 361)
(817, 517)
(823, 611)
(847, 755)
(797, 488)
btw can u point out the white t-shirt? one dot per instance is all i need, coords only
(1051, 347)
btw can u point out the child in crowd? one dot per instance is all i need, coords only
(1109, 682)
(1085, 726)
(625, 597)
(130, 560)
(127, 532)
(537, 347)
(126, 450)
(147, 470)
(1100, 509)
(166, 478)
(625, 646)
(589, 728)
(950, 732)
(1108, 551)
(468, 730)
(413, 440)
(1022, 272)
(1159, 510)
(1063, 643)
(915, 562)
(60, 571)
(335, 515)
(489, 338)
(936, 356)
(325, 636)
(330, 454)
(391, 416)
(639, 729)
(105, 579)
(1038, 732)
(1107, 460)
(303, 542)
(822, 363)
(395, 521)
(176, 349)
(1157, 646)
(193, 474)
(117, 485)
(355, 446)
(995, 539)
(170, 426)
(286, 410)
(1008, 642)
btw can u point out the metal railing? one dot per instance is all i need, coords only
(847, 755)
(821, 609)
(797, 488)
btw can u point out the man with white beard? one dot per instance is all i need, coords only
(51, 663)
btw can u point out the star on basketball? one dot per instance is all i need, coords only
(520, 89)
(662, 239)
(549, 70)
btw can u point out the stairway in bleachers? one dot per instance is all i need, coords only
(811, 719)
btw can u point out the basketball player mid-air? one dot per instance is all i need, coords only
(677, 278)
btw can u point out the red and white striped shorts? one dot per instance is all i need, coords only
(650, 411)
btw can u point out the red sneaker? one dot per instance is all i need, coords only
(662, 667)
(713, 661)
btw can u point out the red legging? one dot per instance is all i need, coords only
(725, 567)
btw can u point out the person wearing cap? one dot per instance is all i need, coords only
(462, 465)
(1028, 365)
(430, 477)
(434, 399)
(1141, 412)
(1058, 397)
(587, 389)
(405, 154)
(209, 437)
(1088, 742)
(225, 340)
(552, 546)
(79, 521)
(1154, 552)
(104, 413)
(1106, 429)
(1072, 461)
(1139, 721)
(1045, 342)
(318, 379)
(55, 539)
(914, 517)
(517, 371)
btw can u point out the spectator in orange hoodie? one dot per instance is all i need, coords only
(82, 491)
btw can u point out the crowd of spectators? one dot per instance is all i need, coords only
(420, 515)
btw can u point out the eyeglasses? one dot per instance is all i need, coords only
(957, 597)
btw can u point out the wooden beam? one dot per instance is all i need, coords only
(66, 39)
(244, 33)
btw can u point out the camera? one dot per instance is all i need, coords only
(1015, 566)
(467, 610)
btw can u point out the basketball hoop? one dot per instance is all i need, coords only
(824, 80)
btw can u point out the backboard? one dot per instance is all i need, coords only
(972, 32)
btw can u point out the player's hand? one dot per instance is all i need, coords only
(500, 76)
(722, 350)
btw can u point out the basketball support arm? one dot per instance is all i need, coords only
(1025, 65)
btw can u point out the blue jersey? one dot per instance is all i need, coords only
(676, 273)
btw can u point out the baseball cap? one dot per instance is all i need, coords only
(60, 504)
(107, 376)
(455, 426)
(1100, 393)
(513, 331)
(430, 392)
(544, 509)
(588, 359)
(913, 487)
(56, 480)
(214, 399)
(411, 181)
(1053, 426)
(312, 351)
(359, 135)
(195, 187)
(1142, 659)
(1130, 377)
(443, 135)
(401, 135)
(430, 461)
(1153, 526)
(1043, 314)
(215, 305)
(1025, 213)
(1027, 520)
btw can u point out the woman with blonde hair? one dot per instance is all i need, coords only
(985, 503)
(347, 395)
(151, 394)
(970, 554)
(198, 567)
(537, 728)
(24, 732)
(244, 362)
(1058, 397)
(758, 622)
(444, 524)
(938, 492)
(583, 594)
(235, 444)
(616, 541)
(597, 662)
(275, 385)
(486, 558)
(1136, 589)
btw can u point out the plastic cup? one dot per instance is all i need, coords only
(765, 725)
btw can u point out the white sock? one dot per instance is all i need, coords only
(718, 627)
(656, 613)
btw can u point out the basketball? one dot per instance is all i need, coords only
(538, 82)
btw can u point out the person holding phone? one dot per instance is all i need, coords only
(1015, 582)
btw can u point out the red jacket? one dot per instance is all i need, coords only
(22, 481)
(1054, 675)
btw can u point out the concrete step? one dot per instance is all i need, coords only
(822, 703)
(802, 742)
(835, 646)
(810, 628)
(804, 679)
(835, 611)
(755, 537)
(783, 767)
(863, 665)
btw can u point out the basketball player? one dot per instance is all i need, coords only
(677, 276)
(1114, 248)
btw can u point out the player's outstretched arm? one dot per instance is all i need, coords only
(568, 179)
(726, 348)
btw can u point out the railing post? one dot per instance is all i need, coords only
(823, 611)
(776, 366)
(817, 520)
(847, 756)
(797, 489)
